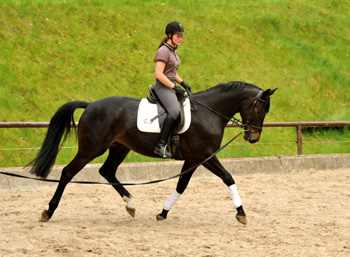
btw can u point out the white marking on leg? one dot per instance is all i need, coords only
(171, 201)
(129, 202)
(235, 196)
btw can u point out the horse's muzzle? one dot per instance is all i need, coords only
(252, 136)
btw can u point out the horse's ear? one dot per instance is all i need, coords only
(272, 91)
(268, 92)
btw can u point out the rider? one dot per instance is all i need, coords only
(167, 63)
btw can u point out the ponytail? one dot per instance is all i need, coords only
(161, 43)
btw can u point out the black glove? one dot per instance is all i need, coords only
(179, 90)
(186, 86)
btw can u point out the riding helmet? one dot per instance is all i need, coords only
(174, 27)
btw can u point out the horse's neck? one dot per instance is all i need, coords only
(227, 104)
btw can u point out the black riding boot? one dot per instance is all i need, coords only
(161, 148)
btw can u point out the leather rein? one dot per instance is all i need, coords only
(235, 120)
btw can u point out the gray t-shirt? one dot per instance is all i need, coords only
(172, 61)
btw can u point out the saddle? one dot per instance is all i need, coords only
(151, 114)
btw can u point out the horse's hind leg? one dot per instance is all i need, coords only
(68, 173)
(117, 154)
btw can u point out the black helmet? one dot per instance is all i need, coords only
(174, 27)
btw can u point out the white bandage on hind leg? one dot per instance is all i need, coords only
(235, 196)
(171, 201)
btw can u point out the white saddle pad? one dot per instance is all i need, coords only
(148, 111)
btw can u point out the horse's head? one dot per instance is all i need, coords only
(253, 115)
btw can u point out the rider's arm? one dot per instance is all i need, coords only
(178, 79)
(160, 66)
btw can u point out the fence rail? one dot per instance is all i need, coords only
(298, 125)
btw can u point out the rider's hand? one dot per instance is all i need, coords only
(186, 86)
(179, 90)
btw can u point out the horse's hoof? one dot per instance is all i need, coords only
(131, 211)
(242, 219)
(44, 217)
(130, 207)
(160, 217)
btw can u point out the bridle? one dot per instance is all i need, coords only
(248, 125)
(236, 121)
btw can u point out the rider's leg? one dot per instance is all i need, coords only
(161, 148)
(168, 98)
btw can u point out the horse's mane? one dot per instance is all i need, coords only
(230, 86)
(235, 86)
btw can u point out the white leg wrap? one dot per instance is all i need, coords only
(171, 201)
(235, 196)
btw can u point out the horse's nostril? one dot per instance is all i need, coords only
(253, 141)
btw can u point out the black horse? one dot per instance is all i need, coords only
(110, 123)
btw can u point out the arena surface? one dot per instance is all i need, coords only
(289, 214)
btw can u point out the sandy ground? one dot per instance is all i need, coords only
(300, 214)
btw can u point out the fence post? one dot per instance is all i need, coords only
(299, 140)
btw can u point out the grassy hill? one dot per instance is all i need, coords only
(52, 52)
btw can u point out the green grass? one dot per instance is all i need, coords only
(53, 52)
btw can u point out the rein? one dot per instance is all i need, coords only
(123, 184)
(233, 120)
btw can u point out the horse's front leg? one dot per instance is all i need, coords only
(180, 188)
(215, 167)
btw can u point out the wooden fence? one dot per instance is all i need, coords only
(298, 125)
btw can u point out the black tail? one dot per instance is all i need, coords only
(60, 124)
